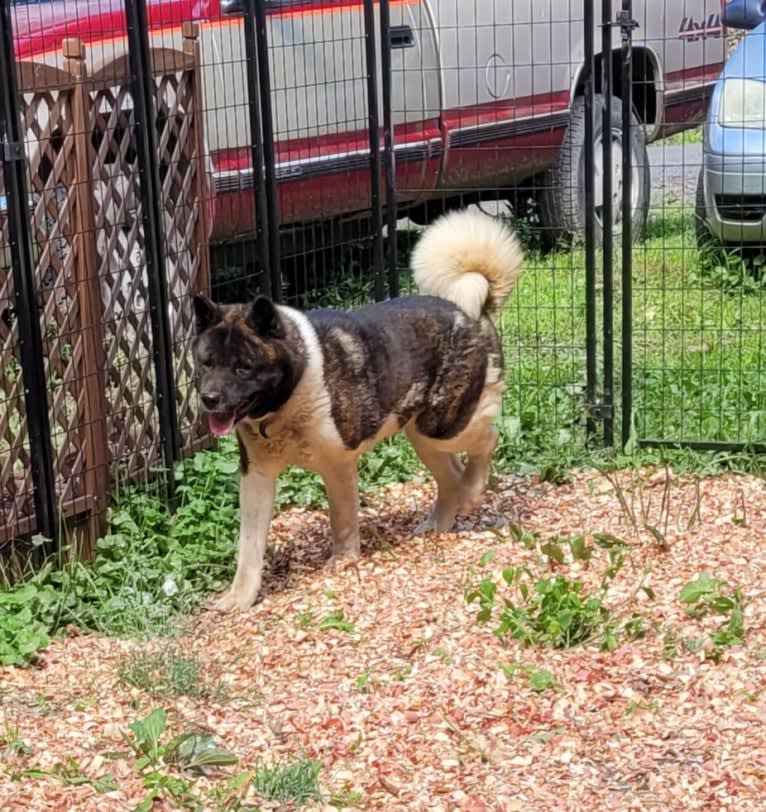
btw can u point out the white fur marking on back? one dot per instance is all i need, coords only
(350, 346)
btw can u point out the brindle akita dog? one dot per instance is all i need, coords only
(318, 389)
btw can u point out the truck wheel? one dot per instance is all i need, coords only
(562, 203)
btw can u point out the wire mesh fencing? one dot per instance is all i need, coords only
(298, 148)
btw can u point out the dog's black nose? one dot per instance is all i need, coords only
(211, 400)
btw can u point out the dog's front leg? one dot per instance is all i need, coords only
(343, 495)
(256, 504)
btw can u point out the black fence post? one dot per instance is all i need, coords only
(607, 222)
(269, 160)
(145, 127)
(256, 145)
(374, 132)
(591, 340)
(389, 158)
(627, 24)
(27, 305)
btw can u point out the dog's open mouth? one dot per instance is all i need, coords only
(222, 423)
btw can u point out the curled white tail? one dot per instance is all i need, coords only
(470, 259)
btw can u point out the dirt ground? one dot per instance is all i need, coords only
(410, 708)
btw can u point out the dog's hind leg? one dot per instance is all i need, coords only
(447, 470)
(342, 486)
(476, 476)
(256, 499)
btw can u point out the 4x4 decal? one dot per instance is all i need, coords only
(692, 30)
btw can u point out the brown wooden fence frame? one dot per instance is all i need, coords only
(83, 516)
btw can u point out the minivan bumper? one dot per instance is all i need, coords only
(735, 197)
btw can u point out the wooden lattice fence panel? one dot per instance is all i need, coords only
(90, 274)
(132, 423)
(46, 111)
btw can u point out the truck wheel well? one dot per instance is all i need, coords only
(644, 83)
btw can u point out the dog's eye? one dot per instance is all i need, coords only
(242, 371)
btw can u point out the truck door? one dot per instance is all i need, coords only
(506, 69)
(319, 98)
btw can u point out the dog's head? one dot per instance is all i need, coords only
(246, 365)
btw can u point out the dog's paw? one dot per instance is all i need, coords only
(232, 601)
(342, 558)
(471, 496)
(471, 503)
(424, 527)
(431, 525)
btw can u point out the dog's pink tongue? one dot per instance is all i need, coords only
(220, 425)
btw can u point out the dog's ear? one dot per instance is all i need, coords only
(206, 313)
(264, 320)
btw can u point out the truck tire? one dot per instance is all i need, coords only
(562, 199)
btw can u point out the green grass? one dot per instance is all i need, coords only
(698, 349)
(151, 566)
(166, 671)
(552, 612)
(297, 781)
(707, 595)
(335, 621)
(693, 136)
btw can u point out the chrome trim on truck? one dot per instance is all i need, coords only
(499, 130)
(233, 180)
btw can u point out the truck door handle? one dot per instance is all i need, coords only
(401, 36)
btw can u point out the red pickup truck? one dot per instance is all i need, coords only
(485, 95)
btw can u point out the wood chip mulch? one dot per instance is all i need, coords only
(412, 710)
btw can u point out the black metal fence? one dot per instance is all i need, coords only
(297, 148)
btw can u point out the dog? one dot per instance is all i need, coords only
(318, 389)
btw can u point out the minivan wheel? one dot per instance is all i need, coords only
(562, 198)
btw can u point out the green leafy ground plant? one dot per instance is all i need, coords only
(706, 595)
(189, 752)
(554, 612)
